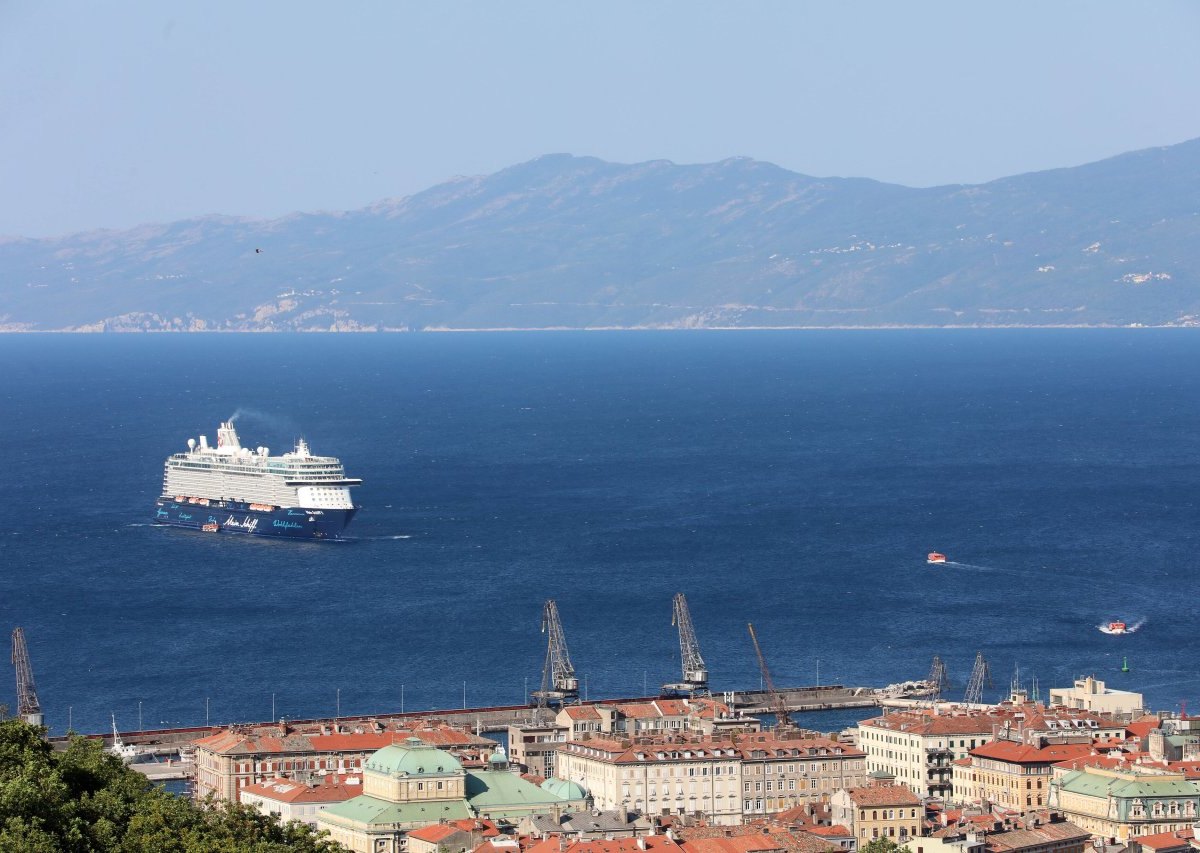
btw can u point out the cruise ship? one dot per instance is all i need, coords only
(233, 489)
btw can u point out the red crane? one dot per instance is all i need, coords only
(778, 702)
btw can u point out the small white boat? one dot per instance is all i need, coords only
(124, 751)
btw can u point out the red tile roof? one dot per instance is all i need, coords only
(1142, 726)
(1121, 761)
(1023, 753)
(753, 838)
(1166, 840)
(652, 843)
(435, 832)
(334, 788)
(582, 712)
(248, 742)
(1189, 769)
(834, 831)
(883, 795)
(1028, 716)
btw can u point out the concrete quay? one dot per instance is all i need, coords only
(498, 718)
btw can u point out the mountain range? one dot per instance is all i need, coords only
(577, 242)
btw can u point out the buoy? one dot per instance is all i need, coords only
(1125, 664)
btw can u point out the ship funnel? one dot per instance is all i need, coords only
(204, 442)
(227, 438)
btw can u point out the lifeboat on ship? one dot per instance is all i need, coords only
(935, 557)
(211, 527)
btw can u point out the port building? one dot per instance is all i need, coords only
(233, 759)
(1092, 694)
(724, 780)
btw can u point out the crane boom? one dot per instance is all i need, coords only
(28, 706)
(782, 720)
(695, 672)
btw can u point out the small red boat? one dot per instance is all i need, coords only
(935, 557)
(1117, 627)
(210, 528)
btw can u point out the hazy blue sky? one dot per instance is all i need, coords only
(113, 114)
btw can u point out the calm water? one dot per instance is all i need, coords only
(791, 479)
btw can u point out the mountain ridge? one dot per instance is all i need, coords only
(577, 242)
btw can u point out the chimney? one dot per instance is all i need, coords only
(641, 842)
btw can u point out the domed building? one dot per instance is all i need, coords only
(410, 785)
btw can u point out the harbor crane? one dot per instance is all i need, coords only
(695, 673)
(778, 701)
(980, 673)
(28, 707)
(938, 680)
(559, 684)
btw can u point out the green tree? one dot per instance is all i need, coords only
(881, 845)
(84, 800)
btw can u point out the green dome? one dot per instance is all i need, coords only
(413, 758)
(564, 789)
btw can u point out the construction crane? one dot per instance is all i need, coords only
(28, 706)
(937, 680)
(778, 702)
(695, 673)
(980, 673)
(559, 684)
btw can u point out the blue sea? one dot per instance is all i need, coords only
(795, 480)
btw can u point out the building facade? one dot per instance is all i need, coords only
(1012, 774)
(920, 747)
(889, 810)
(1119, 804)
(679, 776)
(1091, 694)
(533, 746)
(779, 774)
